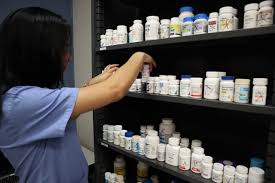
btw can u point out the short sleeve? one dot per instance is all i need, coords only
(38, 113)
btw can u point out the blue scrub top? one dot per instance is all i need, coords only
(37, 137)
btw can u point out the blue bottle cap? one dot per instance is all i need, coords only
(201, 16)
(186, 8)
(257, 162)
(188, 19)
(227, 77)
(186, 76)
(129, 134)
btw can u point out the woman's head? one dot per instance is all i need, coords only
(34, 48)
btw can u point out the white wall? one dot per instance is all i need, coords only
(83, 66)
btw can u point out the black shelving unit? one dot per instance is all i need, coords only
(228, 130)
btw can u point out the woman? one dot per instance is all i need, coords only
(37, 134)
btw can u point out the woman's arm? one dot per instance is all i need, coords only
(112, 89)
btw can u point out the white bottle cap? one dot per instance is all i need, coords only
(256, 173)
(109, 30)
(152, 18)
(105, 127)
(173, 141)
(185, 151)
(221, 74)
(196, 80)
(165, 21)
(150, 127)
(229, 170)
(162, 77)
(107, 175)
(266, 3)
(111, 128)
(251, 6)
(226, 9)
(242, 81)
(198, 150)
(175, 19)
(102, 36)
(161, 147)
(119, 178)
(184, 142)
(242, 169)
(122, 28)
(176, 135)
(171, 77)
(152, 133)
(122, 133)
(214, 15)
(218, 166)
(118, 128)
(207, 159)
(137, 21)
(212, 74)
(235, 11)
(196, 143)
(260, 81)
(156, 79)
(175, 82)
(113, 177)
(167, 121)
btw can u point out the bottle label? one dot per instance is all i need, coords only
(150, 87)
(250, 21)
(161, 156)
(228, 179)
(239, 179)
(128, 144)
(175, 30)
(171, 157)
(184, 163)
(200, 27)
(196, 166)
(164, 31)
(174, 90)
(265, 18)
(151, 32)
(259, 96)
(137, 36)
(226, 23)
(196, 91)
(217, 177)
(187, 29)
(185, 90)
(150, 150)
(226, 94)
(212, 26)
(241, 94)
(134, 146)
(211, 91)
(119, 170)
(156, 87)
(122, 141)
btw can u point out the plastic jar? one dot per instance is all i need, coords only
(166, 129)
(151, 146)
(164, 28)
(122, 138)
(109, 37)
(250, 15)
(213, 22)
(195, 143)
(152, 28)
(200, 24)
(187, 26)
(185, 85)
(138, 31)
(256, 175)
(119, 166)
(212, 85)
(186, 11)
(229, 173)
(102, 41)
(175, 27)
(184, 143)
(197, 157)
(141, 146)
(217, 173)
(128, 140)
(227, 89)
(161, 152)
(156, 85)
(111, 133)
(265, 14)
(184, 159)
(122, 34)
(138, 85)
(196, 87)
(242, 87)
(150, 85)
(105, 132)
(115, 37)
(135, 141)
(143, 131)
(164, 85)
(142, 171)
(174, 87)
(172, 152)
(259, 91)
(206, 167)
(241, 174)
(226, 19)
(235, 19)
(117, 130)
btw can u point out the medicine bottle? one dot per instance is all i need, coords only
(185, 85)
(259, 91)
(256, 175)
(235, 19)
(117, 130)
(135, 141)
(156, 85)
(196, 160)
(166, 129)
(212, 85)
(227, 89)
(206, 167)
(265, 14)
(200, 24)
(111, 133)
(109, 37)
(105, 132)
(130, 35)
(145, 74)
(217, 173)
(175, 27)
(213, 22)
(172, 152)
(102, 41)
(229, 174)
(107, 177)
(142, 171)
(161, 152)
(151, 144)
(186, 11)
(122, 34)
(119, 166)
(141, 146)
(150, 85)
(164, 85)
(241, 175)
(138, 31)
(226, 19)
(174, 87)
(242, 87)
(196, 87)
(184, 143)
(113, 178)
(138, 85)
(195, 143)
(122, 138)
(187, 26)
(115, 37)
(250, 15)
(164, 28)
(128, 140)
(152, 28)
(184, 159)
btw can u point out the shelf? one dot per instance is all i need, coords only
(174, 171)
(241, 33)
(265, 110)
